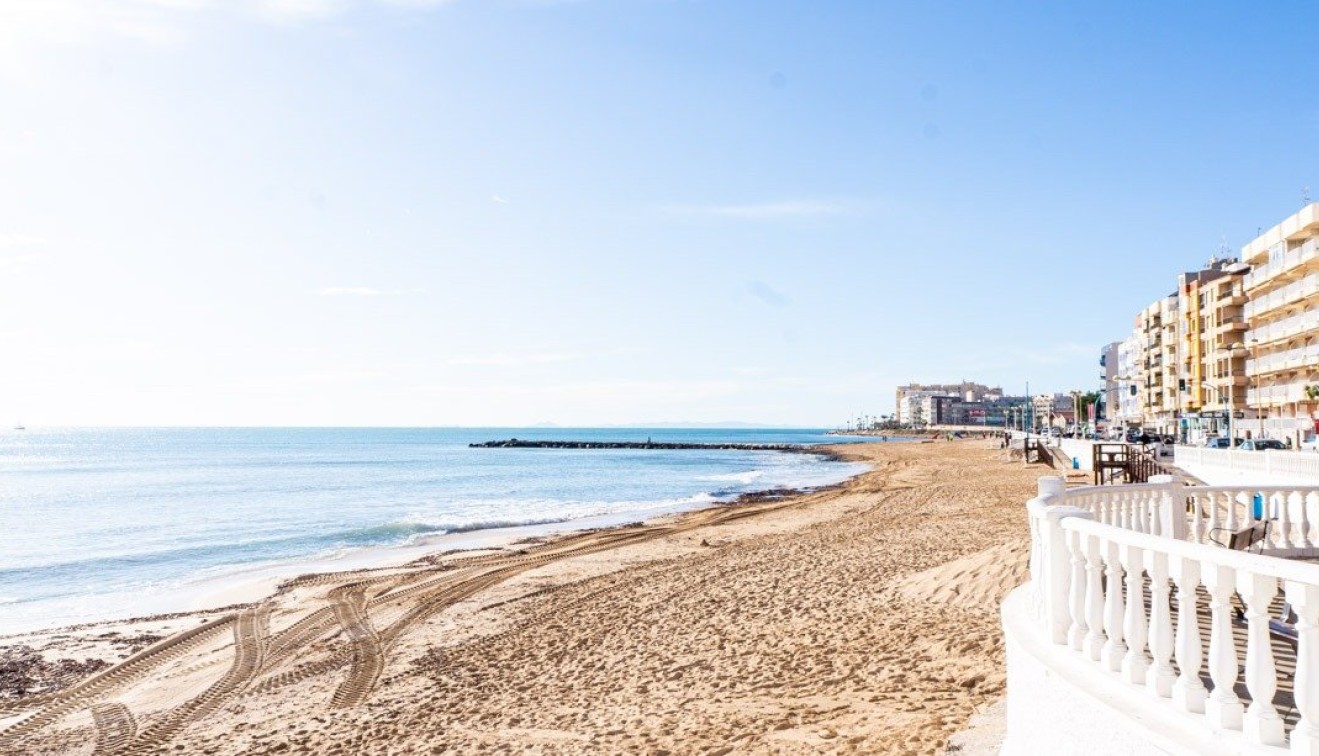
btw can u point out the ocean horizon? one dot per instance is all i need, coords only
(105, 523)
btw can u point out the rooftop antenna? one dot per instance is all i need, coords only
(1305, 196)
(1223, 252)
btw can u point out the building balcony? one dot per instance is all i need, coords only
(1290, 264)
(1286, 328)
(1300, 358)
(1302, 291)
(1272, 396)
(1229, 325)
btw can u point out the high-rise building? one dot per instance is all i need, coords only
(1209, 325)
(1282, 315)
(1130, 386)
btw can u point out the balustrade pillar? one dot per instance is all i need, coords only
(1262, 723)
(1215, 520)
(1188, 693)
(1114, 648)
(1170, 513)
(1304, 600)
(1281, 504)
(1094, 597)
(1222, 708)
(1036, 562)
(1057, 566)
(1135, 662)
(1161, 675)
(1303, 502)
(1197, 518)
(1076, 600)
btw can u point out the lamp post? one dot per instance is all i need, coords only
(1234, 351)
(1251, 344)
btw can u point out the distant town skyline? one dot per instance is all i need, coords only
(316, 212)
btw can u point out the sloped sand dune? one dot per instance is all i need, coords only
(861, 619)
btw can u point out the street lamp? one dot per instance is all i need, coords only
(1233, 352)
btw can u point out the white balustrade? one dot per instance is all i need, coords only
(1098, 553)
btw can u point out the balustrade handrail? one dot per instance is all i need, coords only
(1259, 564)
(1096, 552)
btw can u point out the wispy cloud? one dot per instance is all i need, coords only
(497, 199)
(275, 384)
(361, 291)
(767, 294)
(511, 360)
(19, 251)
(25, 22)
(678, 391)
(785, 209)
(20, 240)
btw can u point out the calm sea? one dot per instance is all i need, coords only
(104, 523)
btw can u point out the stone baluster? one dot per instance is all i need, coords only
(1215, 522)
(1077, 600)
(1231, 523)
(1281, 502)
(1304, 600)
(1094, 597)
(1222, 708)
(1197, 518)
(1303, 510)
(1261, 724)
(1135, 662)
(1188, 693)
(1161, 675)
(1114, 649)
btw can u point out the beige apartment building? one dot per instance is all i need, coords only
(1282, 315)
(1189, 361)
(1211, 327)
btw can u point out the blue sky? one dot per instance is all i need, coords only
(477, 212)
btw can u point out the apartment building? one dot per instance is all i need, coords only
(1053, 410)
(1126, 411)
(1282, 319)
(913, 401)
(1156, 330)
(1209, 379)
(1109, 360)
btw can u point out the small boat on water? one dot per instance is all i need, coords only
(19, 427)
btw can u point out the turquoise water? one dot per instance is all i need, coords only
(100, 523)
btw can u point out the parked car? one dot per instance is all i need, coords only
(1261, 444)
(1218, 443)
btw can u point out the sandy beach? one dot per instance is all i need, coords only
(862, 618)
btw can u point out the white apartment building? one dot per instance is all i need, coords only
(1282, 316)
(1129, 386)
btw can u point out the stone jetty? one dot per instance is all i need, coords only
(515, 443)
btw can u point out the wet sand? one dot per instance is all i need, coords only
(857, 619)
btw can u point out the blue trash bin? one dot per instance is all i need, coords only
(1076, 463)
(1257, 507)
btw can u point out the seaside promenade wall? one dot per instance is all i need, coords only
(1125, 580)
(1233, 466)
